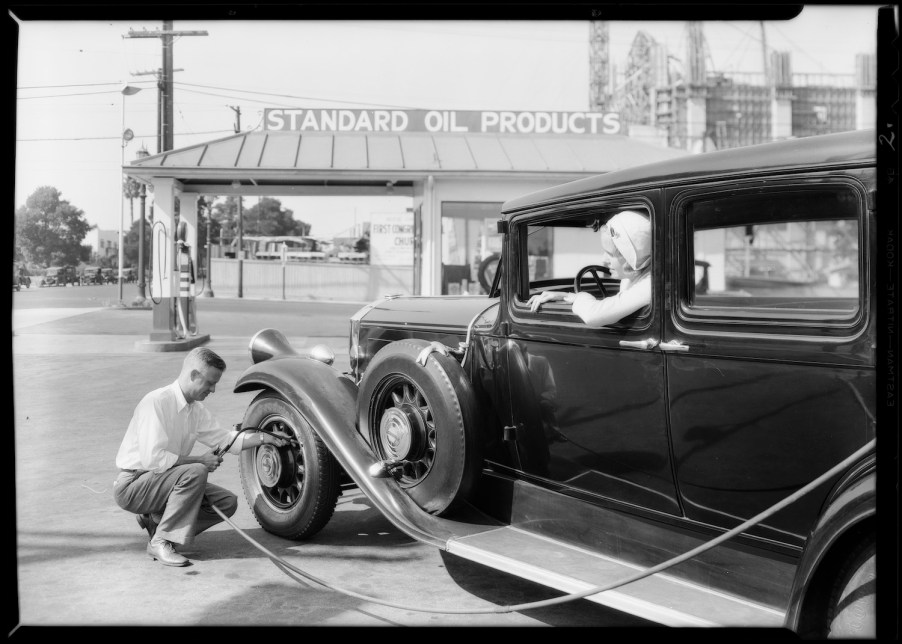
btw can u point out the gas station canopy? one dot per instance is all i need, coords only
(341, 163)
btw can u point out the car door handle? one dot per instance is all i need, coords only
(674, 345)
(651, 343)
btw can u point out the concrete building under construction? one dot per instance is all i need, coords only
(687, 106)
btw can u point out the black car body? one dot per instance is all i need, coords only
(570, 455)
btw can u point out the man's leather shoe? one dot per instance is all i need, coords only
(147, 523)
(163, 552)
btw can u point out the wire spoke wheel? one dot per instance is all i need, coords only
(292, 490)
(424, 419)
(406, 431)
(280, 469)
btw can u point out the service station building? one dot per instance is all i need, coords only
(457, 167)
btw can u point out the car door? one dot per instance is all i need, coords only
(771, 366)
(588, 404)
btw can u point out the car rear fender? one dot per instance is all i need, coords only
(327, 400)
(846, 519)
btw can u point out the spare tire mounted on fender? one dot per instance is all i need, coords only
(426, 417)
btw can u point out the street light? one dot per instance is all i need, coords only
(127, 135)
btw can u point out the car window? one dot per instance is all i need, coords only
(554, 251)
(791, 254)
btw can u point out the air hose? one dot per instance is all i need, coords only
(223, 450)
(792, 498)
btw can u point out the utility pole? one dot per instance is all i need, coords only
(142, 292)
(158, 73)
(240, 249)
(163, 312)
(165, 140)
(237, 111)
(208, 282)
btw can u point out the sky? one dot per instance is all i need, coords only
(69, 107)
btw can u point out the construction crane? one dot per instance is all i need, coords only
(599, 67)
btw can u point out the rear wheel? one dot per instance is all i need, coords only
(291, 490)
(852, 608)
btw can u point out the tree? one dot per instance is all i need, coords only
(363, 244)
(268, 217)
(225, 214)
(131, 189)
(50, 230)
(265, 217)
(130, 246)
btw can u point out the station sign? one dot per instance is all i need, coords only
(391, 239)
(462, 121)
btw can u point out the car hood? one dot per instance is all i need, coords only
(440, 313)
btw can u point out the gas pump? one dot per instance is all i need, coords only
(172, 284)
(186, 316)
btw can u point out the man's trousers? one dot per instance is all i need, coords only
(180, 500)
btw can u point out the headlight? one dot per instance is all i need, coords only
(268, 343)
(354, 350)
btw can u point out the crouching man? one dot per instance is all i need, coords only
(159, 480)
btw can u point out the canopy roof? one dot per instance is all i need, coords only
(281, 159)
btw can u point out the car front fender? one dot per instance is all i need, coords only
(327, 400)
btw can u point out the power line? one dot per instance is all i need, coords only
(76, 85)
(113, 138)
(186, 86)
(801, 51)
(291, 96)
(109, 91)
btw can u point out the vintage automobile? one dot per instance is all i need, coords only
(20, 277)
(575, 456)
(91, 275)
(60, 276)
(109, 276)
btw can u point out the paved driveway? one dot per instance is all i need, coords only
(81, 560)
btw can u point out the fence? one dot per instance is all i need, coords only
(302, 280)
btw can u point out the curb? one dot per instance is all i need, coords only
(171, 345)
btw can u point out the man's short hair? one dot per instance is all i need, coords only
(203, 357)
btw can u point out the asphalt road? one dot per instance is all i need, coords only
(80, 560)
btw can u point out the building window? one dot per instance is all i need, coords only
(470, 245)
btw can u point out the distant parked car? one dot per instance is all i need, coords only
(60, 276)
(20, 277)
(92, 275)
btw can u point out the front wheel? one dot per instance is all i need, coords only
(291, 490)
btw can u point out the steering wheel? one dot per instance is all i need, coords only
(592, 268)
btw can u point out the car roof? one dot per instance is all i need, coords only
(827, 149)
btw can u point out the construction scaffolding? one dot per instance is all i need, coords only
(696, 109)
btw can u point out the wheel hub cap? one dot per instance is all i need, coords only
(269, 465)
(396, 432)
